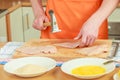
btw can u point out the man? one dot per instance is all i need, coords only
(77, 19)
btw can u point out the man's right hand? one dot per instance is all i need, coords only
(38, 22)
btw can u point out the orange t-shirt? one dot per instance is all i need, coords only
(70, 15)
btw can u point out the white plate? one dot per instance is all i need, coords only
(11, 66)
(69, 65)
(115, 77)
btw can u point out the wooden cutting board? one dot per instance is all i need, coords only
(63, 54)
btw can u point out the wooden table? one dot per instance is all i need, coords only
(2, 44)
(55, 74)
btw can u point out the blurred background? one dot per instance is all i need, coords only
(16, 17)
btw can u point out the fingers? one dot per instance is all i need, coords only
(35, 24)
(87, 41)
(83, 42)
(78, 36)
(90, 40)
(38, 23)
(46, 20)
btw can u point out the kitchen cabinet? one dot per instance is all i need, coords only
(16, 25)
(29, 31)
(20, 21)
(114, 24)
(3, 33)
(115, 16)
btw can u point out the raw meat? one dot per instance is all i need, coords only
(38, 49)
(71, 44)
(93, 50)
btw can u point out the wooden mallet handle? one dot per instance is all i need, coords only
(47, 24)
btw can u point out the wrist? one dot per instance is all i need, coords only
(37, 7)
(40, 15)
(97, 19)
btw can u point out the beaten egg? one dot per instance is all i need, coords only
(88, 70)
(118, 73)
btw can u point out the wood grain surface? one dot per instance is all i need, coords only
(55, 74)
(63, 54)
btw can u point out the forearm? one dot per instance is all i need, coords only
(105, 10)
(37, 7)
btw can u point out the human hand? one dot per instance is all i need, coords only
(88, 33)
(38, 22)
